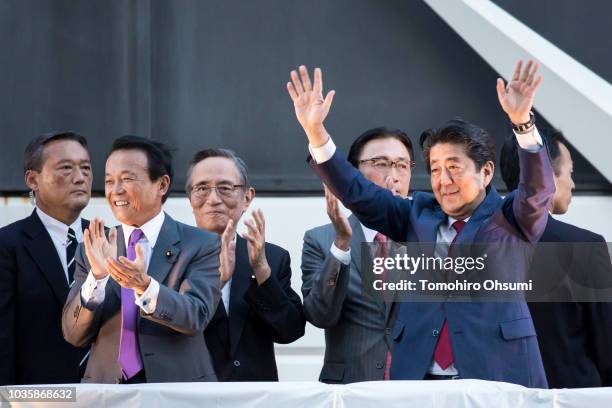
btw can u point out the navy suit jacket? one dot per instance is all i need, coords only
(33, 289)
(574, 337)
(490, 341)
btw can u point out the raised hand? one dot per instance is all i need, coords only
(98, 249)
(310, 107)
(130, 274)
(228, 252)
(343, 229)
(516, 99)
(256, 245)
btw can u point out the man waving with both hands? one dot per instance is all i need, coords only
(444, 340)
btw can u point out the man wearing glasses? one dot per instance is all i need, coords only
(258, 307)
(357, 326)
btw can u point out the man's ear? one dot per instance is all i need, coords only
(31, 179)
(488, 170)
(164, 184)
(248, 198)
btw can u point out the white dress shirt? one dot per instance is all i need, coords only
(59, 234)
(93, 291)
(530, 141)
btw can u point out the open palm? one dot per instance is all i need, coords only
(311, 108)
(516, 99)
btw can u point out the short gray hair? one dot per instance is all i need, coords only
(229, 154)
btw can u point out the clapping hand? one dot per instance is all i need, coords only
(343, 229)
(130, 274)
(228, 252)
(98, 248)
(256, 245)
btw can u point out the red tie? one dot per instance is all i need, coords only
(443, 354)
(383, 252)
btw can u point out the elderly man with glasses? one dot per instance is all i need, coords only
(258, 307)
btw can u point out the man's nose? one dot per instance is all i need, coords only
(80, 176)
(213, 197)
(445, 177)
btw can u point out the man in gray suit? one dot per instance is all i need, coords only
(143, 295)
(357, 325)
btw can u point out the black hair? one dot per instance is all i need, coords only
(373, 134)
(159, 157)
(229, 154)
(477, 143)
(33, 157)
(509, 162)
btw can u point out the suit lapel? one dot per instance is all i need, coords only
(427, 227)
(84, 224)
(42, 250)
(166, 250)
(480, 217)
(240, 283)
(357, 242)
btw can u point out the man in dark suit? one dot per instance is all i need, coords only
(574, 337)
(258, 307)
(37, 263)
(143, 295)
(357, 325)
(440, 340)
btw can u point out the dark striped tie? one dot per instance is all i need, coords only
(70, 250)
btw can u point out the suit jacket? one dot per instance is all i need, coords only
(574, 337)
(491, 341)
(33, 289)
(357, 325)
(185, 262)
(242, 347)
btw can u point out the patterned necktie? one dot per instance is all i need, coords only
(70, 250)
(383, 252)
(443, 354)
(129, 350)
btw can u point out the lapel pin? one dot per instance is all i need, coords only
(168, 254)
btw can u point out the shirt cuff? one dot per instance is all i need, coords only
(339, 254)
(530, 141)
(323, 153)
(93, 291)
(148, 300)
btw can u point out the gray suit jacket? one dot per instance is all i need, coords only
(357, 325)
(185, 262)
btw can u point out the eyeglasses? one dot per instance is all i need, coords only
(224, 190)
(384, 165)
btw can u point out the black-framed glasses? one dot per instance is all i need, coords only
(223, 190)
(385, 165)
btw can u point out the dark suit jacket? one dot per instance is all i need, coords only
(491, 341)
(242, 347)
(33, 289)
(357, 325)
(575, 338)
(185, 263)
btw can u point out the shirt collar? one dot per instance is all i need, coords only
(150, 229)
(368, 233)
(58, 228)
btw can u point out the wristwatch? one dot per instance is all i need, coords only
(525, 127)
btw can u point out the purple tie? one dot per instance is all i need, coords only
(129, 351)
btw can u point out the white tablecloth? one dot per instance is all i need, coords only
(378, 394)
